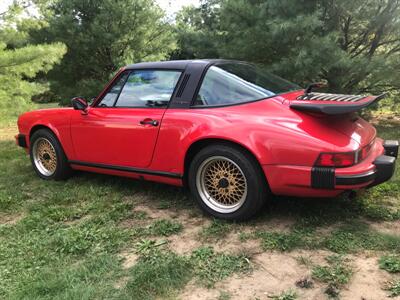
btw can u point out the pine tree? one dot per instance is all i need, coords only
(20, 63)
(102, 36)
(354, 45)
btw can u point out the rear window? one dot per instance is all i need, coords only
(233, 83)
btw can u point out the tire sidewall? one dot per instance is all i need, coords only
(256, 186)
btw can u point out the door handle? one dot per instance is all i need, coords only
(149, 122)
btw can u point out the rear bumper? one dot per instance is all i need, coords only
(383, 171)
(324, 182)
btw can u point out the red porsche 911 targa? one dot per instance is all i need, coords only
(229, 130)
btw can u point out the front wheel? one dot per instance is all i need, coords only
(227, 182)
(47, 156)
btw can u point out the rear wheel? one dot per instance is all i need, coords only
(47, 156)
(227, 182)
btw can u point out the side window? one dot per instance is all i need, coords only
(148, 88)
(112, 94)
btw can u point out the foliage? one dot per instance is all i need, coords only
(101, 37)
(390, 263)
(165, 227)
(21, 62)
(335, 274)
(286, 295)
(157, 275)
(217, 229)
(211, 267)
(394, 288)
(352, 44)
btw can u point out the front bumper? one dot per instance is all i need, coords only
(20, 140)
(384, 166)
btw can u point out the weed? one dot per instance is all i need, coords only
(390, 263)
(211, 267)
(297, 238)
(394, 288)
(286, 295)
(224, 295)
(305, 283)
(335, 274)
(217, 229)
(157, 276)
(165, 227)
(305, 261)
(145, 247)
(355, 236)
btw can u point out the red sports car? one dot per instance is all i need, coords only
(229, 130)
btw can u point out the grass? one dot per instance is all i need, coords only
(285, 295)
(211, 267)
(336, 274)
(63, 240)
(217, 229)
(390, 263)
(394, 288)
(157, 276)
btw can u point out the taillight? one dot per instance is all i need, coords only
(336, 159)
(363, 153)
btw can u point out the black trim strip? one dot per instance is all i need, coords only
(323, 178)
(126, 169)
(355, 179)
(21, 139)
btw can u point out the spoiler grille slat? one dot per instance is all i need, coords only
(331, 97)
(329, 107)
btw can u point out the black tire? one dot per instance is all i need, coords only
(62, 169)
(257, 187)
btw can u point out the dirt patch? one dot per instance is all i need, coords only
(188, 240)
(156, 213)
(6, 219)
(129, 259)
(193, 291)
(282, 224)
(273, 273)
(121, 283)
(8, 133)
(367, 280)
(232, 244)
(387, 227)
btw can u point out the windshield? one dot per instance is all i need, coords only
(231, 83)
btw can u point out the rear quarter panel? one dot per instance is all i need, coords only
(267, 128)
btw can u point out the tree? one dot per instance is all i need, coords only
(197, 30)
(20, 63)
(101, 37)
(354, 45)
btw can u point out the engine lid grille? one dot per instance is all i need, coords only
(330, 97)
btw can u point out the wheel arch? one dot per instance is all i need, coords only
(198, 145)
(37, 127)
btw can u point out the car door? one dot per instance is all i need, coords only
(122, 128)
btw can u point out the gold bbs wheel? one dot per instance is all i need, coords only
(221, 184)
(44, 156)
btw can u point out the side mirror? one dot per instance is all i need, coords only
(80, 103)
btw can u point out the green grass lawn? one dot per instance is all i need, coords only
(69, 239)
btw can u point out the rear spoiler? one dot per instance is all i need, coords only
(333, 104)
